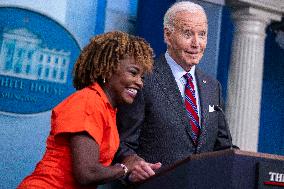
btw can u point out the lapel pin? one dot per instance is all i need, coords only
(204, 81)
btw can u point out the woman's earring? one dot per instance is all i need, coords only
(104, 80)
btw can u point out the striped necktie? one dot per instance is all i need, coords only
(191, 107)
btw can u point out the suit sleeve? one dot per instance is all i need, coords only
(130, 119)
(222, 141)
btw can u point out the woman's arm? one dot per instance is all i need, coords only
(85, 161)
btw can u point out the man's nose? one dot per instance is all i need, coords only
(194, 40)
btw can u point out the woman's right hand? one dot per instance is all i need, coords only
(140, 169)
(143, 170)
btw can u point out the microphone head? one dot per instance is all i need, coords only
(217, 108)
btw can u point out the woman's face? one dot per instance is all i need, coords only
(123, 85)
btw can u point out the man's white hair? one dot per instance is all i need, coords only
(169, 17)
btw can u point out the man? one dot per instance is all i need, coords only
(173, 116)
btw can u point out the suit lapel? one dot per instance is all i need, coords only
(203, 88)
(168, 85)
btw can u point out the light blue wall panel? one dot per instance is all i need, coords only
(22, 137)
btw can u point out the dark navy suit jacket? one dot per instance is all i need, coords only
(156, 126)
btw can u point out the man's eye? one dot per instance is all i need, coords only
(202, 34)
(187, 34)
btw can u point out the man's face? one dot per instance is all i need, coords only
(187, 42)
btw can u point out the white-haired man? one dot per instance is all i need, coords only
(170, 119)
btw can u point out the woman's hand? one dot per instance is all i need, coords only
(143, 170)
(140, 169)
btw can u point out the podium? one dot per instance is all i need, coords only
(227, 169)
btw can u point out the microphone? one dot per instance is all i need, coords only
(219, 109)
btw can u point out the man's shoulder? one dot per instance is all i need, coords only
(201, 75)
(159, 67)
(160, 59)
(205, 77)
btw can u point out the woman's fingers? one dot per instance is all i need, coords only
(143, 170)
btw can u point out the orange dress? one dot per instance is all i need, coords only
(86, 110)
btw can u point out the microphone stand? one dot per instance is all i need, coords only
(219, 109)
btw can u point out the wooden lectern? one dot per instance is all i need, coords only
(227, 169)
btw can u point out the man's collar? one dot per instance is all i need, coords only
(177, 70)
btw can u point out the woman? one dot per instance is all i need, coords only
(84, 137)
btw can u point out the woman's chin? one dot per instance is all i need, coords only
(128, 100)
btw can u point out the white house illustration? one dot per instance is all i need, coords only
(23, 55)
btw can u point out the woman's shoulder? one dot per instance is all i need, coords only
(80, 100)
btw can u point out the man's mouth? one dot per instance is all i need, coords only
(192, 54)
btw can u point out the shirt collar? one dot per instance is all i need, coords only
(177, 70)
(102, 94)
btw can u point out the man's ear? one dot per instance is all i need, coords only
(167, 34)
